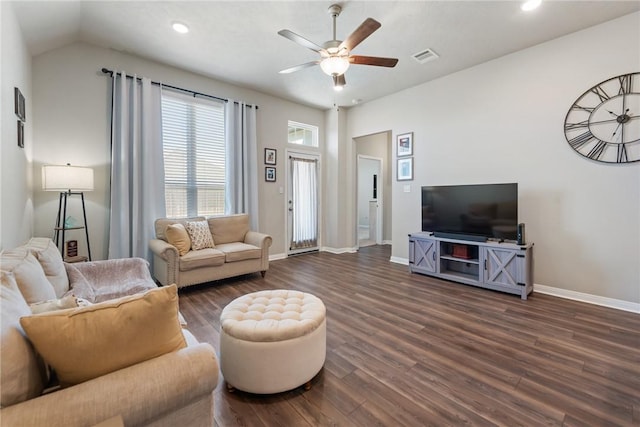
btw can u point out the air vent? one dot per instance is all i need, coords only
(425, 56)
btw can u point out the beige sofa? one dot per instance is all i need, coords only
(237, 250)
(169, 389)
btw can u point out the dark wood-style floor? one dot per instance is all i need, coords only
(406, 349)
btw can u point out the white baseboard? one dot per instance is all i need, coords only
(567, 294)
(338, 251)
(398, 260)
(588, 298)
(275, 257)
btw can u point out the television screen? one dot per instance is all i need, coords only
(472, 212)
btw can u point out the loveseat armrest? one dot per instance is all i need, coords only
(166, 261)
(260, 240)
(263, 241)
(164, 250)
(140, 394)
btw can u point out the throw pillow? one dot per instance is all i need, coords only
(22, 374)
(32, 282)
(88, 342)
(49, 257)
(177, 236)
(69, 301)
(200, 235)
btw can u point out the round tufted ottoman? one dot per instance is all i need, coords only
(272, 341)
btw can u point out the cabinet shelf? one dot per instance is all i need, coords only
(501, 266)
(458, 259)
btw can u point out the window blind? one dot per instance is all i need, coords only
(194, 155)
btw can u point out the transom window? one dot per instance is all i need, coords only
(194, 155)
(302, 134)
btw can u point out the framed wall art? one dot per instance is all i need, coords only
(20, 134)
(19, 104)
(270, 174)
(405, 169)
(404, 144)
(270, 156)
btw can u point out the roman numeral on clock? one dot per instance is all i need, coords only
(580, 140)
(578, 125)
(597, 151)
(581, 108)
(626, 83)
(622, 153)
(601, 93)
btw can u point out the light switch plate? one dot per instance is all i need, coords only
(407, 188)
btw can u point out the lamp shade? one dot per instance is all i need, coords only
(67, 178)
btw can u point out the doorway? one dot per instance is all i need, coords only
(369, 195)
(302, 202)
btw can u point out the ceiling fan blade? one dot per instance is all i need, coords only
(299, 67)
(373, 60)
(362, 32)
(300, 40)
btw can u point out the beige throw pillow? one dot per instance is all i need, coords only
(177, 236)
(200, 235)
(32, 282)
(88, 342)
(22, 374)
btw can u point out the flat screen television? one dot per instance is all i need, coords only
(471, 212)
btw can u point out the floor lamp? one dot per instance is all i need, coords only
(69, 181)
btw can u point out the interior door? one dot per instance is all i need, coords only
(369, 200)
(302, 203)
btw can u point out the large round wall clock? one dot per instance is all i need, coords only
(604, 122)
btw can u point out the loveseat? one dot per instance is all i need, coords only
(74, 366)
(180, 257)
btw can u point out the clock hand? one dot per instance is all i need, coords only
(616, 131)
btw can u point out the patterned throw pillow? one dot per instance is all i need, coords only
(200, 235)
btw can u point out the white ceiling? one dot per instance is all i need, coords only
(237, 41)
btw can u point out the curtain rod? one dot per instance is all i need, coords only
(193, 92)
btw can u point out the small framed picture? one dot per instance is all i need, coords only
(20, 134)
(404, 144)
(270, 156)
(19, 104)
(405, 169)
(71, 248)
(270, 174)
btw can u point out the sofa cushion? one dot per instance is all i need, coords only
(87, 342)
(30, 278)
(200, 235)
(239, 251)
(22, 374)
(162, 223)
(177, 236)
(202, 258)
(228, 229)
(49, 257)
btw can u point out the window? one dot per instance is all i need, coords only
(194, 155)
(302, 134)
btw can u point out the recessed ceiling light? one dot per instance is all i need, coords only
(530, 5)
(180, 27)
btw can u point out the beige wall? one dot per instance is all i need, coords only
(16, 206)
(502, 121)
(72, 124)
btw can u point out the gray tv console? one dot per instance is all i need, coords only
(501, 266)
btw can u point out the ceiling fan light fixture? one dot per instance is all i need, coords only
(334, 65)
(338, 83)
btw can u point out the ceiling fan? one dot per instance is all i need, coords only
(335, 55)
